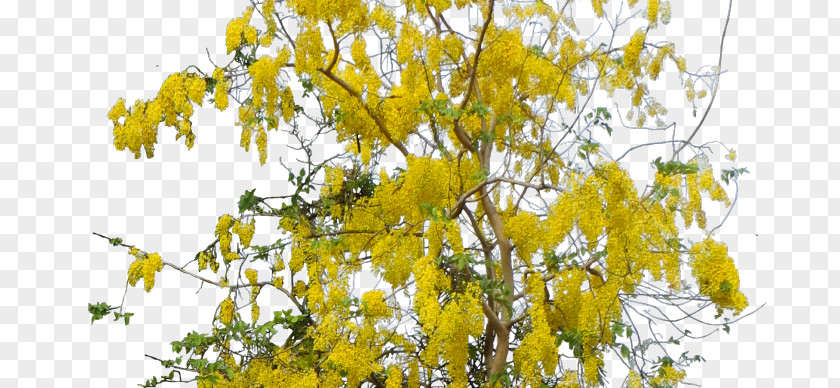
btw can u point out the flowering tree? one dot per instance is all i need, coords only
(513, 249)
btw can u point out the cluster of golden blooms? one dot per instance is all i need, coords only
(251, 275)
(271, 25)
(717, 276)
(731, 155)
(223, 233)
(144, 267)
(239, 30)
(598, 6)
(226, 311)
(205, 258)
(449, 332)
(395, 377)
(255, 308)
(140, 123)
(634, 380)
(333, 181)
(244, 231)
(375, 306)
(633, 49)
(668, 376)
(220, 93)
(538, 350)
(653, 11)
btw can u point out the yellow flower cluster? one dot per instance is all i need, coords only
(693, 206)
(450, 331)
(223, 233)
(140, 124)
(205, 258)
(308, 50)
(570, 380)
(139, 127)
(731, 155)
(175, 96)
(383, 18)
(220, 96)
(395, 377)
(717, 276)
(287, 105)
(239, 28)
(226, 311)
(598, 6)
(633, 49)
(375, 307)
(634, 380)
(538, 349)
(244, 231)
(251, 275)
(689, 89)
(333, 181)
(255, 308)
(710, 185)
(653, 11)
(668, 376)
(524, 231)
(271, 25)
(144, 267)
(264, 84)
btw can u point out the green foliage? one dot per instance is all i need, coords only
(674, 167)
(248, 200)
(101, 309)
(601, 117)
(733, 173)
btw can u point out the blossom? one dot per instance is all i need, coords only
(251, 275)
(220, 96)
(226, 311)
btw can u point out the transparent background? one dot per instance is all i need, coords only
(63, 65)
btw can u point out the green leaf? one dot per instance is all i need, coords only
(125, 316)
(625, 351)
(674, 167)
(248, 200)
(98, 311)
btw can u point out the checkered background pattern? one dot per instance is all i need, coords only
(63, 65)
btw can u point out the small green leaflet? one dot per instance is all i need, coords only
(248, 200)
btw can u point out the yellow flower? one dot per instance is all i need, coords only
(251, 275)
(633, 49)
(244, 231)
(250, 35)
(255, 312)
(731, 156)
(196, 86)
(653, 11)
(235, 29)
(717, 276)
(374, 302)
(220, 93)
(117, 111)
(144, 268)
(395, 378)
(680, 64)
(226, 311)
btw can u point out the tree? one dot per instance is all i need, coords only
(513, 249)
